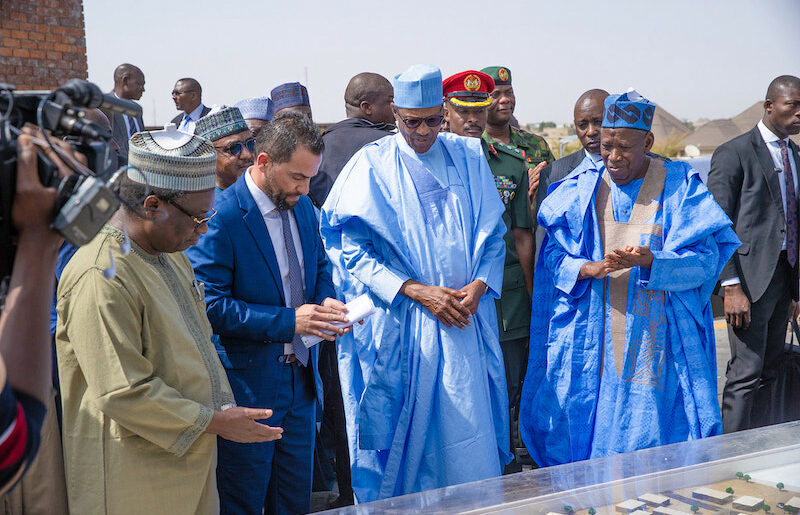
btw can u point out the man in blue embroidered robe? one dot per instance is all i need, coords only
(622, 353)
(415, 222)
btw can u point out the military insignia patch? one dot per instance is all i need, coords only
(502, 74)
(506, 188)
(472, 82)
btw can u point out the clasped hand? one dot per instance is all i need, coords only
(451, 307)
(618, 259)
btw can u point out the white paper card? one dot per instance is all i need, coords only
(357, 310)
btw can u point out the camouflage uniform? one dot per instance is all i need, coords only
(510, 164)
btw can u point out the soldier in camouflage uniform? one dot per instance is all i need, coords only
(535, 149)
(511, 153)
(466, 102)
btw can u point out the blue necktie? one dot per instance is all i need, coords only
(295, 284)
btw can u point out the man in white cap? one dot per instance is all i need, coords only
(415, 222)
(256, 112)
(143, 392)
(226, 129)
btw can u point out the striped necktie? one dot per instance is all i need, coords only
(295, 284)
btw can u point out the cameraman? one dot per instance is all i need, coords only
(25, 367)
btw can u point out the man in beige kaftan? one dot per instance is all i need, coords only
(144, 394)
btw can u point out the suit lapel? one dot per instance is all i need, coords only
(258, 229)
(306, 229)
(767, 168)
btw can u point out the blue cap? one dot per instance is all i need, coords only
(259, 108)
(628, 111)
(289, 95)
(419, 87)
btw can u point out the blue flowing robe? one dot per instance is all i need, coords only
(425, 404)
(575, 404)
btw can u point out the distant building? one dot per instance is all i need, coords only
(666, 126)
(716, 132)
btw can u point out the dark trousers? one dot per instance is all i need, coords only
(274, 476)
(515, 359)
(756, 352)
(333, 422)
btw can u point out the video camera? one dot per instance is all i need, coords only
(85, 200)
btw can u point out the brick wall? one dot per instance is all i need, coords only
(42, 43)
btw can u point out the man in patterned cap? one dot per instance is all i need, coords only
(466, 96)
(293, 97)
(226, 129)
(414, 222)
(256, 112)
(622, 335)
(535, 150)
(143, 392)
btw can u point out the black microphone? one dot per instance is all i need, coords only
(86, 94)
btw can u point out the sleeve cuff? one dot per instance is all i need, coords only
(566, 278)
(191, 433)
(730, 282)
(387, 285)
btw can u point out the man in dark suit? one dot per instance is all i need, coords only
(754, 178)
(267, 283)
(128, 84)
(368, 104)
(588, 117)
(188, 97)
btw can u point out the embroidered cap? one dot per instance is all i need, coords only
(628, 111)
(220, 122)
(289, 95)
(259, 108)
(191, 166)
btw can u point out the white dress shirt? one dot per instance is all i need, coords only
(190, 119)
(771, 139)
(272, 219)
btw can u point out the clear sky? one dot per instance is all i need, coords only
(695, 58)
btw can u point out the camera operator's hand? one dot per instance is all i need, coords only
(34, 205)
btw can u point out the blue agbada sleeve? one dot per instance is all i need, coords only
(691, 253)
(364, 264)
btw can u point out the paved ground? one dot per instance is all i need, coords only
(723, 353)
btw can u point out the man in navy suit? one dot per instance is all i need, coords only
(267, 283)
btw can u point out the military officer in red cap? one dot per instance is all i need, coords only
(466, 103)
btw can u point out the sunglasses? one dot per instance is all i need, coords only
(413, 123)
(235, 149)
(198, 221)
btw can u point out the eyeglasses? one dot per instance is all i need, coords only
(176, 93)
(235, 149)
(413, 123)
(198, 221)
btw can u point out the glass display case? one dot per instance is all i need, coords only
(750, 472)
